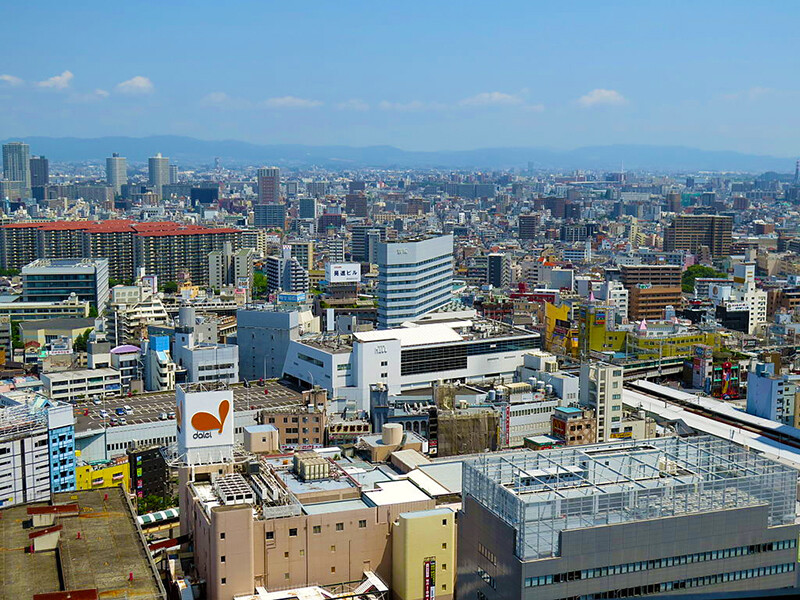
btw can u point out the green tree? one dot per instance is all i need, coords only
(16, 339)
(169, 287)
(152, 503)
(93, 312)
(695, 271)
(9, 272)
(259, 283)
(81, 343)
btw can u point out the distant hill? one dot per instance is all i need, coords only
(187, 151)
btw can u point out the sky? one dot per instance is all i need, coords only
(419, 75)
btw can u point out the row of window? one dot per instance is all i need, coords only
(659, 563)
(683, 584)
(151, 441)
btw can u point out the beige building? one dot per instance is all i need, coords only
(259, 523)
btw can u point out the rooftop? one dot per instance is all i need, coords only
(110, 547)
(630, 481)
(57, 323)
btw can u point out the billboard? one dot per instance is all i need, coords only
(204, 418)
(292, 297)
(429, 578)
(343, 272)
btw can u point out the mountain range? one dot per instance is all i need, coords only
(188, 151)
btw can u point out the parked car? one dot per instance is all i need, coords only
(128, 410)
(171, 415)
(113, 421)
(122, 420)
(104, 413)
(97, 401)
(120, 411)
(163, 416)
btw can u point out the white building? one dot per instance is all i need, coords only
(414, 278)
(615, 294)
(158, 172)
(66, 386)
(601, 389)
(131, 309)
(37, 448)
(116, 172)
(462, 349)
(201, 361)
(227, 267)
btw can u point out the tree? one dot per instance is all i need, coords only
(16, 340)
(259, 283)
(81, 343)
(153, 503)
(695, 271)
(93, 312)
(169, 287)
(9, 272)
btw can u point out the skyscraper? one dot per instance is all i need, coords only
(173, 173)
(269, 185)
(17, 164)
(40, 171)
(158, 168)
(414, 278)
(116, 172)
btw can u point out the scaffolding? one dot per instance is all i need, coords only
(541, 494)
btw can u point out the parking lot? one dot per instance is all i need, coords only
(150, 407)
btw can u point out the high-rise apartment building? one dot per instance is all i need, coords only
(649, 302)
(116, 172)
(17, 164)
(662, 275)
(285, 273)
(498, 270)
(528, 227)
(690, 232)
(307, 208)
(303, 251)
(270, 216)
(227, 267)
(269, 185)
(601, 390)
(158, 172)
(40, 171)
(665, 516)
(414, 278)
(173, 174)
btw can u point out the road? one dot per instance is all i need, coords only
(149, 407)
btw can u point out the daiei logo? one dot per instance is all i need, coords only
(205, 423)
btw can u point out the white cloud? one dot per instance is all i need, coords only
(57, 82)
(754, 93)
(534, 107)
(11, 80)
(291, 102)
(414, 105)
(601, 97)
(492, 99)
(89, 97)
(136, 85)
(353, 104)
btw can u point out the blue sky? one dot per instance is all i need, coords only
(420, 75)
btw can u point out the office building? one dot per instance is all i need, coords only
(332, 527)
(773, 397)
(465, 348)
(17, 165)
(55, 279)
(201, 361)
(317, 189)
(159, 368)
(690, 232)
(116, 172)
(528, 227)
(307, 208)
(659, 275)
(650, 301)
(498, 270)
(16, 311)
(71, 386)
(414, 278)
(665, 516)
(149, 470)
(173, 174)
(158, 173)
(269, 185)
(601, 390)
(40, 171)
(229, 268)
(356, 205)
(263, 336)
(37, 448)
(359, 249)
(285, 273)
(270, 216)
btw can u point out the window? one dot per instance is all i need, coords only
(333, 548)
(302, 552)
(285, 555)
(333, 569)
(444, 521)
(286, 576)
(316, 529)
(444, 545)
(340, 527)
(270, 535)
(293, 532)
(362, 523)
(222, 558)
(223, 581)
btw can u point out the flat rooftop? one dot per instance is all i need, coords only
(110, 547)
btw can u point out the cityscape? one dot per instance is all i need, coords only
(479, 345)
